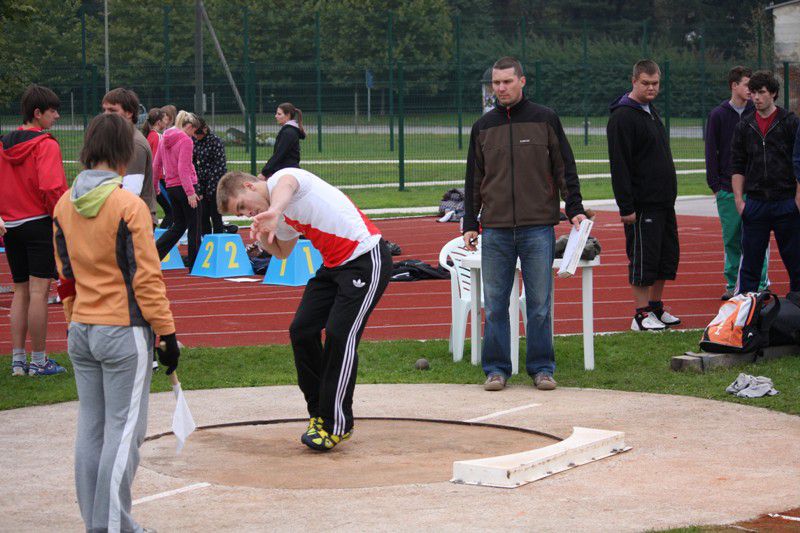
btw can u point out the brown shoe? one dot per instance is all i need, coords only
(544, 381)
(494, 382)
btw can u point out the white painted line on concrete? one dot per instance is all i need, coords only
(501, 413)
(783, 516)
(173, 492)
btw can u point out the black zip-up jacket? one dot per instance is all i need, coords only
(642, 169)
(765, 161)
(287, 150)
(519, 163)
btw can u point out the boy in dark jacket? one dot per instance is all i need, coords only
(761, 163)
(719, 134)
(645, 187)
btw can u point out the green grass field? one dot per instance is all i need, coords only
(626, 361)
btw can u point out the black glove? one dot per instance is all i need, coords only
(169, 352)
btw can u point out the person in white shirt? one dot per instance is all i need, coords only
(339, 298)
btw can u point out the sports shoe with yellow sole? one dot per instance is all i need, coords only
(318, 439)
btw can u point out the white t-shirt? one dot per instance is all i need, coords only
(325, 216)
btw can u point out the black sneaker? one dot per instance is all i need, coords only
(322, 441)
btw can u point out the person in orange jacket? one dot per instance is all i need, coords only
(114, 300)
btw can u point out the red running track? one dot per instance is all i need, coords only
(211, 312)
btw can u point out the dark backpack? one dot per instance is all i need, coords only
(785, 329)
(414, 269)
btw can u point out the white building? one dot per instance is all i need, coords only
(786, 20)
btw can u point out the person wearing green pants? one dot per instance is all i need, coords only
(732, 239)
(719, 133)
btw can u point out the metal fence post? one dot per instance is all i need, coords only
(537, 74)
(318, 60)
(645, 31)
(584, 104)
(390, 58)
(94, 88)
(666, 97)
(401, 126)
(703, 84)
(523, 30)
(251, 76)
(786, 85)
(248, 123)
(760, 37)
(460, 83)
(84, 96)
(166, 54)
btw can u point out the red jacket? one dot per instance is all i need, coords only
(31, 174)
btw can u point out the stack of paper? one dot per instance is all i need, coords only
(575, 245)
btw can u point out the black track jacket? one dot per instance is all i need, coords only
(642, 169)
(765, 161)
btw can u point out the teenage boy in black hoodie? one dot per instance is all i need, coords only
(645, 188)
(761, 162)
(719, 134)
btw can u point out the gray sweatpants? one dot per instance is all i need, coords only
(113, 367)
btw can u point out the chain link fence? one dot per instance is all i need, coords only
(396, 126)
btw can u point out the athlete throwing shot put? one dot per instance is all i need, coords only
(339, 298)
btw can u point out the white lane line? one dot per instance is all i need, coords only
(783, 516)
(173, 492)
(501, 413)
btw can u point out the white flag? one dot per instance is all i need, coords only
(182, 421)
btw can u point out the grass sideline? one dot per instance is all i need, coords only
(625, 361)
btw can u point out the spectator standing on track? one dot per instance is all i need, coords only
(155, 124)
(339, 298)
(125, 102)
(211, 164)
(115, 303)
(174, 160)
(762, 167)
(518, 164)
(33, 181)
(645, 187)
(719, 135)
(287, 143)
(172, 113)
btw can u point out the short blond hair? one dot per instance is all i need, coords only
(231, 185)
(185, 117)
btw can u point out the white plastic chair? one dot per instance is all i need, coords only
(461, 293)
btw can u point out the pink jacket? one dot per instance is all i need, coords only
(175, 155)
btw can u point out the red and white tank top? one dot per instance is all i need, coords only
(325, 216)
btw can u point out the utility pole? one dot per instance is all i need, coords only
(198, 56)
(105, 7)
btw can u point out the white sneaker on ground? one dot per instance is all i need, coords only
(647, 322)
(666, 318)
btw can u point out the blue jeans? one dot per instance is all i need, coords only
(759, 218)
(500, 247)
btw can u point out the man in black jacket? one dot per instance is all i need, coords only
(519, 163)
(761, 162)
(645, 188)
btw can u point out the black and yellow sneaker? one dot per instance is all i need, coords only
(314, 423)
(318, 439)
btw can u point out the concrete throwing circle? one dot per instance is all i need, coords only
(382, 452)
